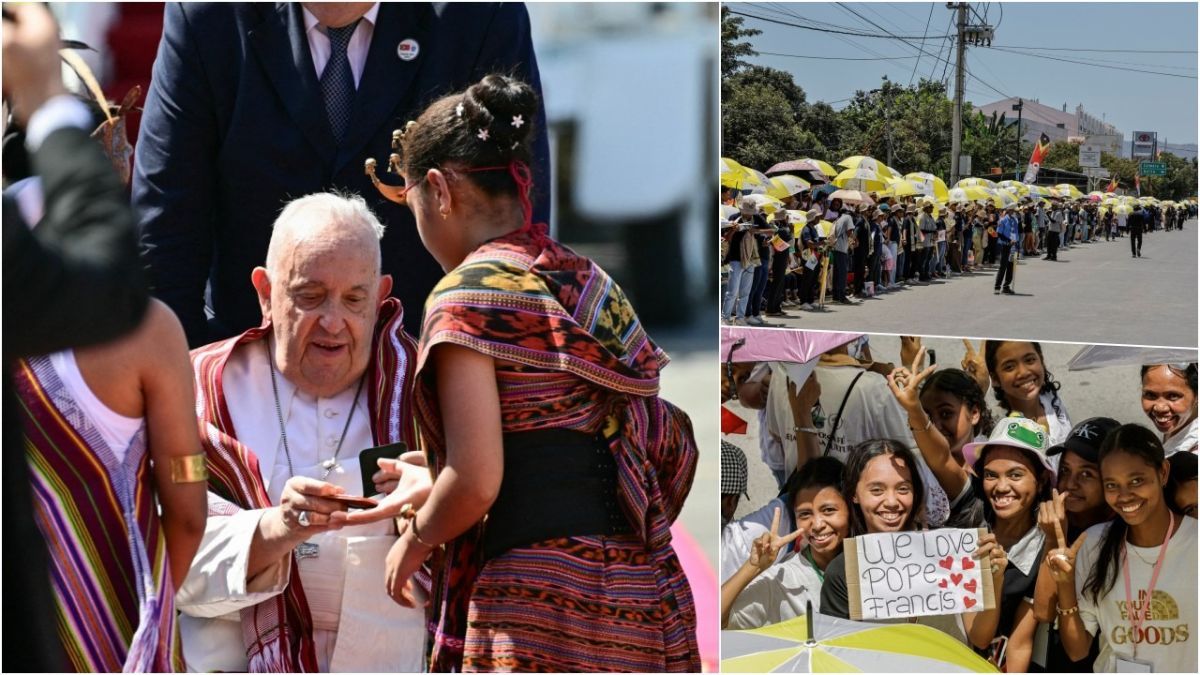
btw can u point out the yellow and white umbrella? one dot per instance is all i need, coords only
(1003, 198)
(765, 203)
(930, 184)
(870, 164)
(975, 182)
(735, 175)
(855, 197)
(1041, 191)
(824, 644)
(1016, 186)
(861, 179)
(903, 187)
(728, 212)
(1068, 191)
(782, 187)
(970, 193)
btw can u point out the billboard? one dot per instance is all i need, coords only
(1145, 144)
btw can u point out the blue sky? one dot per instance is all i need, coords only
(1129, 100)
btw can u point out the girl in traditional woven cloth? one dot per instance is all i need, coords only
(558, 469)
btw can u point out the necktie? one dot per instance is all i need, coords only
(337, 82)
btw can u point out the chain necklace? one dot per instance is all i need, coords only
(330, 464)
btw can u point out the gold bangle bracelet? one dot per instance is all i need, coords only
(1067, 612)
(189, 469)
(417, 533)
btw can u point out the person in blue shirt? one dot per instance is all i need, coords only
(1006, 234)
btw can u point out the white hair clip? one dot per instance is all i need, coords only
(518, 120)
(482, 135)
(458, 110)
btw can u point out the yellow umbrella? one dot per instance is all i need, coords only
(1003, 198)
(1016, 186)
(969, 193)
(975, 182)
(1068, 191)
(861, 179)
(903, 187)
(930, 184)
(732, 174)
(825, 167)
(765, 203)
(824, 228)
(870, 164)
(782, 187)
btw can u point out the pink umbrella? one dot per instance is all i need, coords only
(739, 344)
(704, 584)
(801, 165)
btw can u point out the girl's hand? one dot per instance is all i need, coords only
(992, 550)
(906, 386)
(403, 560)
(975, 365)
(766, 548)
(1061, 560)
(412, 487)
(803, 400)
(1051, 513)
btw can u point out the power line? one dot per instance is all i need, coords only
(838, 58)
(1113, 51)
(841, 32)
(1094, 65)
(918, 61)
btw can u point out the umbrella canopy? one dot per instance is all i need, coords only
(970, 193)
(861, 179)
(869, 164)
(1016, 186)
(976, 182)
(806, 165)
(1040, 191)
(785, 186)
(1122, 209)
(840, 645)
(822, 190)
(732, 174)
(930, 184)
(778, 345)
(1068, 191)
(903, 187)
(852, 197)
(765, 203)
(1003, 198)
(1100, 356)
(728, 212)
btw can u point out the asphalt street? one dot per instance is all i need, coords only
(1112, 392)
(1095, 293)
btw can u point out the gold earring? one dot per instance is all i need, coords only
(445, 213)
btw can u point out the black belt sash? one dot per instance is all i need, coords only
(557, 483)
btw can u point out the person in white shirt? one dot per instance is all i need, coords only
(278, 583)
(764, 591)
(1022, 383)
(1169, 400)
(1131, 583)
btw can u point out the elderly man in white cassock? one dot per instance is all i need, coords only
(285, 409)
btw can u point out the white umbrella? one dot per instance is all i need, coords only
(1101, 356)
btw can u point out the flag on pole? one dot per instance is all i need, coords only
(1039, 155)
(1112, 186)
(1137, 183)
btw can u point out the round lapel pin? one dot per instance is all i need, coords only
(408, 49)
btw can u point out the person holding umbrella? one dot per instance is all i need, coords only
(843, 234)
(1007, 234)
(810, 256)
(742, 259)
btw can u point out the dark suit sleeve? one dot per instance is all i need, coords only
(76, 280)
(508, 48)
(174, 181)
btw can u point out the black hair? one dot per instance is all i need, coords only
(856, 462)
(962, 386)
(1133, 439)
(1183, 469)
(1189, 373)
(819, 472)
(1049, 385)
(493, 127)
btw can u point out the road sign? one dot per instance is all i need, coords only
(1145, 143)
(1089, 156)
(1153, 168)
(1096, 173)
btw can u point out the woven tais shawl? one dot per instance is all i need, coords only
(112, 586)
(277, 633)
(571, 353)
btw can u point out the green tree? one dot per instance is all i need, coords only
(759, 121)
(733, 47)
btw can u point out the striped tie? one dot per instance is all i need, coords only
(337, 82)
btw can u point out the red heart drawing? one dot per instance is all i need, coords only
(955, 577)
(970, 585)
(968, 563)
(947, 562)
(968, 601)
(942, 583)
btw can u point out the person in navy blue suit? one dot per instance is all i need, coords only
(239, 120)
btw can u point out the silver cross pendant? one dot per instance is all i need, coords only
(329, 465)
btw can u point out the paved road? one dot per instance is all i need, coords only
(1113, 392)
(1094, 293)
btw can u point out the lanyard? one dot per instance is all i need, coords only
(808, 554)
(1136, 618)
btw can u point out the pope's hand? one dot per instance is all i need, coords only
(412, 487)
(304, 509)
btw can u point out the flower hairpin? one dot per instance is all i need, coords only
(517, 121)
(482, 135)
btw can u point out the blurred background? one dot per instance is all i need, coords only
(631, 101)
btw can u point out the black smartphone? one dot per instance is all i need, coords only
(932, 356)
(368, 462)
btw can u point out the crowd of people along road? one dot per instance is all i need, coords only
(881, 247)
(1083, 521)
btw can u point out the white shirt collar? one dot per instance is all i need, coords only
(311, 23)
(1024, 553)
(1184, 439)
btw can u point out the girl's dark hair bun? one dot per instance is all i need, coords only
(503, 106)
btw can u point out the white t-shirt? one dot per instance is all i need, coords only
(778, 594)
(1183, 441)
(1171, 625)
(778, 438)
(872, 412)
(738, 536)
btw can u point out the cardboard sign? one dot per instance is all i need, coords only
(904, 574)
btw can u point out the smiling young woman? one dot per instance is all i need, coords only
(1022, 384)
(1126, 564)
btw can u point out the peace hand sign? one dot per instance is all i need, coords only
(1052, 512)
(906, 386)
(766, 548)
(1061, 560)
(975, 365)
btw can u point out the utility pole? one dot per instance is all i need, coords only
(1019, 106)
(887, 116)
(959, 71)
